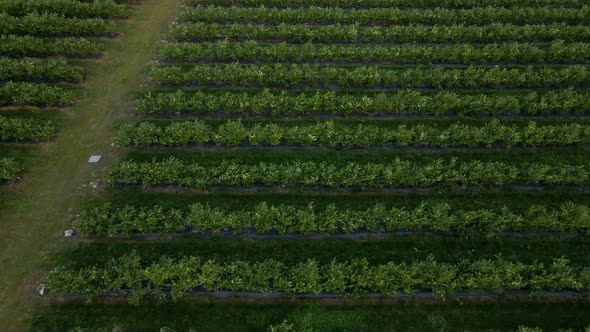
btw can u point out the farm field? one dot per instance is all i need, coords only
(43, 48)
(299, 165)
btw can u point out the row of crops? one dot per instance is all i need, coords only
(330, 135)
(43, 46)
(264, 218)
(455, 120)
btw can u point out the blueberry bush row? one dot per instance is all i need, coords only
(301, 33)
(265, 218)
(23, 129)
(33, 69)
(21, 46)
(29, 94)
(331, 135)
(68, 8)
(442, 173)
(54, 25)
(509, 53)
(387, 3)
(279, 103)
(293, 75)
(388, 16)
(130, 275)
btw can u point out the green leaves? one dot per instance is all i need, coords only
(398, 173)
(9, 169)
(437, 216)
(31, 69)
(333, 135)
(278, 103)
(22, 129)
(293, 75)
(69, 8)
(304, 33)
(506, 53)
(386, 16)
(129, 275)
(386, 3)
(32, 46)
(20, 94)
(46, 25)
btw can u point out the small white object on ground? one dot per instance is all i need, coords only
(68, 232)
(41, 289)
(94, 159)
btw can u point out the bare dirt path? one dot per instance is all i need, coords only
(54, 189)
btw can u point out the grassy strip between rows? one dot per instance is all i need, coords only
(306, 75)
(331, 134)
(278, 103)
(263, 218)
(388, 16)
(396, 34)
(204, 316)
(509, 53)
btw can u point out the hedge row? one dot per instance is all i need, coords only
(267, 102)
(32, 69)
(20, 46)
(510, 53)
(388, 3)
(398, 173)
(130, 275)
(438, 216)
(22, 94)
(394, 34)
(68, 8)
(48, 25)
(285, 326)
(22, 129)
(293, 75)
(329, 134)
(388, 16)
(9, 169)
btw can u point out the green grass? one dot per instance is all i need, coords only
(25, 154)
(202, 317)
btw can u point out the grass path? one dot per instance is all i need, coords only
(55, 187)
